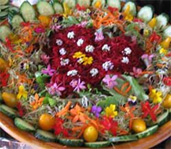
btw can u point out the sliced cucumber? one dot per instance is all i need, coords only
(8, 111)
(45, 136)
(146, 13)
(4, 2)
(23, 125)
(162, 20)
(133, 9)
(99, 144)
(5, 31)
(27, 11)
(147, 132)
(3, 14)
(2, 7)
(114, 3)
(103, 2)
(45, 9)
(167, 31)
(163, 118)
(58, 8)
(84, 3)
(71, 142)
(16, 21)
(123, 138)
(70, 3)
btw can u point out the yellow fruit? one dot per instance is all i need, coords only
(152, 23)
(9, 99)
(46, 121)
(3, 64)
(138, 125)
(167, 101)
(90, 134)
(166, 43)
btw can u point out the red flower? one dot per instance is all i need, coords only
(112, 9)
(59, 129)
(148, 110)
(20, 109)
(109, 125)
(167, 81)
(80, 7)
(155, 37)
(4, 76)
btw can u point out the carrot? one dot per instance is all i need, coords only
(128, 89)
(64, 110)
(118, 91)
(124, 85)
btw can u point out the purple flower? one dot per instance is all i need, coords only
(147, 58)
(77, 85)
(136, 72)
(56, 89)
(99, 35)
(48, 71)
(96, 110)
(110, 81)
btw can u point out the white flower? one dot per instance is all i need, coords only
(127, 51)
(70, 35)
(62, 51)
(125, 60)
(107, 65)
(72, 73)
(59, 42)
(94, 72)
(64, 62)
(106, 47)
(89, 48)
(80, 42)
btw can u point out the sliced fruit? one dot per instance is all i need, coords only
(123, 138)
(58, 8)
(23, 125)
(99, 144)
(16, 21)
(45, 9)
(114, 3)
(84, 3)
(4, 2)
(8, 111)
(163, 118)
(71, 142)
(5, 31)
(70, 3)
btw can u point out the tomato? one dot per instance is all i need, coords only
(46, 121)
(90, 134)
(10, 99)
(138, 125)
(3, 64)
(167, 101)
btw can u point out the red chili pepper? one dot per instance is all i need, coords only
(167, 81)
(155, 37)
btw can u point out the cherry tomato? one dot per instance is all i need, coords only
(90, 134)
(9, 99)
(138, 125)
(46, 121)
(3, 64)
(167, 101)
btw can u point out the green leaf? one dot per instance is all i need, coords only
(137, 90)
(41, 80)
(52, 102)
(45, 101)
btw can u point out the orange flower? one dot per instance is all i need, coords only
(37, 102)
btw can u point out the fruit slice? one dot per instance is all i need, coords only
(71, 142)
(99, 144)
(8, 111)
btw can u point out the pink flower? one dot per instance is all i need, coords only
(39, 30)
(83, 24)
(147, 58)
(77, 85)
(45, 58)
(99, 35)
(48, 71)
(110, 81)
(56, 89)
(136, 72)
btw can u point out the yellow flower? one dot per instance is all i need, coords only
(87, 60)
(156, 96)
(67, 10)
(110, 111)
(146, 32)
(22, 92)
(163, 51)
(129, 17)
(78, 55)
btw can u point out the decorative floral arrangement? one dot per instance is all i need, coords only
(87, 76)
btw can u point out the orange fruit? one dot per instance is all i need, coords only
(9, 99)
(138, 125)
(167, 102)
(90, 134)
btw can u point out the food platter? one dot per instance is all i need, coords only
(85, 74)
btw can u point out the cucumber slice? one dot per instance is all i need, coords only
(167, 31)
(8, 111)
(71, 142)
(45, 136)
(4, 2)
(16, 21)
(44, 8)
(114, 3)
(58, 8)
(85, 3)
(27, 11)
(147, 132)
(103, 2)
(162, 20)
(71, 3)
(3, 14)
(99, 144)
(146, 13)
(163, 118)
(23, 125)
(2, 7)
(133, 9)
(123, 138)
(5, 31)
